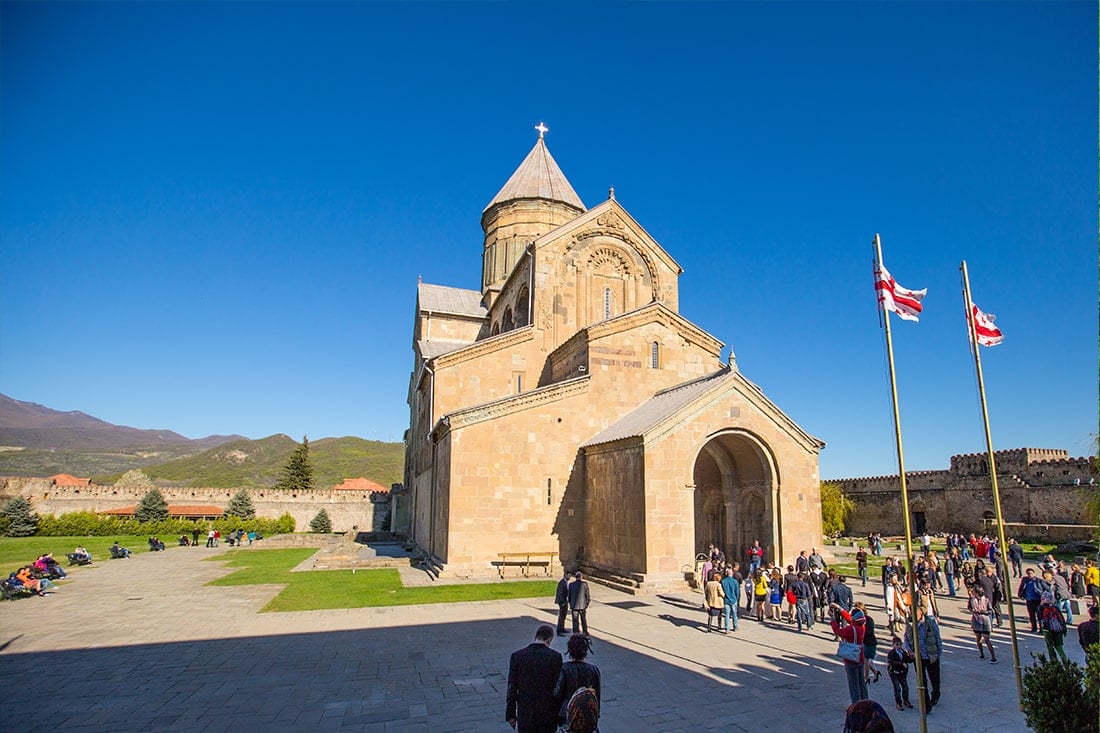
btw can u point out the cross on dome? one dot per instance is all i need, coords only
(542, 129)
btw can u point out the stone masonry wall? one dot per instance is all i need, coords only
(1038, 487)
(346, 509)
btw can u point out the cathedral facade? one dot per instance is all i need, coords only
(566, 406)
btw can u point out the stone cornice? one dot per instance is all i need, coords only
(512, 404)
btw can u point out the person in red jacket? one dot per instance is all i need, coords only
(850, 627)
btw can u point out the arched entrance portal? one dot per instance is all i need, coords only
(735, 503)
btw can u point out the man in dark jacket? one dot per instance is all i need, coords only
(1088, 633)
(578, 603)
(561, 597)
(532, 673)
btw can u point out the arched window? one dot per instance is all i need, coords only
(654, 355)
(521, 306)
(606, 303)
(508, 322)
(495, 329)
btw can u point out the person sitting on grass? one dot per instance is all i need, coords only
(83, 557)
(119, 551)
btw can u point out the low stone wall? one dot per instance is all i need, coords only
(349, 511)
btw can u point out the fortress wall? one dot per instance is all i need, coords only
(346, 509)
(1038, 487)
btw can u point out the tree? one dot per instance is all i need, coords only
(21, 521)
(297, 474)
(152, 508)
(835, 508)
(241, 505)
(321, 524)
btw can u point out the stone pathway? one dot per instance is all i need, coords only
(144, 645)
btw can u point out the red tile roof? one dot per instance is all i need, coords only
(64, 479)
(361, 484)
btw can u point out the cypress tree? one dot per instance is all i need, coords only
(152, 508)
(241, 505)
(321, 523)
(297, 474)
(22, 522)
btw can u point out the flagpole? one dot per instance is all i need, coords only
(921, 689)
(1002, 568)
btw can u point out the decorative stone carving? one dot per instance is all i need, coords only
(607, 261)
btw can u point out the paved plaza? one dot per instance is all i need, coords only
(144, 645)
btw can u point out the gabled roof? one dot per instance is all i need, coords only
(657, 409)
(456, 301)
(662, 409)
(538, 177)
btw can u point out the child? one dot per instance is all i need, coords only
(897, 665)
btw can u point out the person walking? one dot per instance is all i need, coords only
(930, 645)
(731, 599)
(561, 597)
(714, 601)
(1015, 556)
(851, 631)
(803, 594)
(533, 671)
(861, 565)
(898, 660)
(1030, 591)
(579, 599)
(577, 674)
(981, 613)
(1053, 624)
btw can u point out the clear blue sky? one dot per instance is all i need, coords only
(213, 215)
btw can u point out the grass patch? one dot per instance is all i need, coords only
(318, 590)
(17, 551)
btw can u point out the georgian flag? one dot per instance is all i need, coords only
(988, 334)
(906, 303)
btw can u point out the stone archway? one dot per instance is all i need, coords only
(735, 496)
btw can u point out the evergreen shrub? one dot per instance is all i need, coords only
(1056, 698)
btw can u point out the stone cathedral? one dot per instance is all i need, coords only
(567, 406)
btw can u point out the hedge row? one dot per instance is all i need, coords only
(76, 524)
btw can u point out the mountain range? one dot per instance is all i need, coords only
(39, 441)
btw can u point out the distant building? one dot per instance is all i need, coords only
(566, 406)
(361, 484)
(175, 511)
(64, 479)
(1038, 486)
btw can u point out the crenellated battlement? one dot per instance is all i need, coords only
(1037, 485)
(347, 508)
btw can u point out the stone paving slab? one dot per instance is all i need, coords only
(144, 645)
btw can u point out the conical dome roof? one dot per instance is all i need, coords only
(538, 177)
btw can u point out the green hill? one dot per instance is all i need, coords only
(259, 462)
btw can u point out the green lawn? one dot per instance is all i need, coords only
(324, 589)
(17, 551)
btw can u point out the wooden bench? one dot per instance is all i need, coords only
(526, 560)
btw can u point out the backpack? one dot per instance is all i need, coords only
(582, 713)
(1054, 623)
